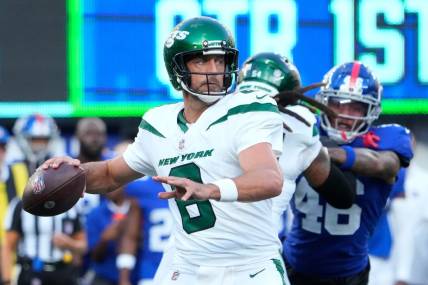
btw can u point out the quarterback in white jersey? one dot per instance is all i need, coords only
(206, 151)
(268, 73)
(213, 152)
(300, 149)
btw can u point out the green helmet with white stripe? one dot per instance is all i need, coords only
(198, 37)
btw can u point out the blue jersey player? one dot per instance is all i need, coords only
(156, 227)
(327, 245)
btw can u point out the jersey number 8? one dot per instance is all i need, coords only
(195, 215)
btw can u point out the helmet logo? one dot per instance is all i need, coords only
(175, 35)
(356, 87)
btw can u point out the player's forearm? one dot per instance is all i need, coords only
(6, 263)
(99, 179)
(130, 237)
(98, 253)
(109, 175)
(380, 164)
(259, 184)
(8, 250)
(124, 276)
(79, 244)
(336, 187)
(128, 244)
(318, 171)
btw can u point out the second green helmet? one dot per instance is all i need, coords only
(271, 69)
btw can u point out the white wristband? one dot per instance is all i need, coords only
(228, 190)
(125, 260)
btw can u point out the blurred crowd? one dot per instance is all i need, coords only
(113, 239)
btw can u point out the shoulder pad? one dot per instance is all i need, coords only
(160, 111)
(159, 120)
(245, 98)
(299, 127)
(393, 137)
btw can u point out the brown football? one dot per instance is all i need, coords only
(54, 191)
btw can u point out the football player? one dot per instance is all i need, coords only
(216, 155)
(272, 73)
(157, 223)
(303, 153)
(35, 136)
(327, 245)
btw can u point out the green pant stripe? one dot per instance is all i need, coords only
(280, 268)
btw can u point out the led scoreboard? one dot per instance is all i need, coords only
(105, 57)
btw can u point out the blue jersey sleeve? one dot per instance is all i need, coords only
(398, 187)
(392, 137)
(95, 225)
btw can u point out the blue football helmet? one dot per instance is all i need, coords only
(347, 83)
(4, 135)
(35, 126)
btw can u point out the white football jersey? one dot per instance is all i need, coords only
(212, 233)
(301, 147)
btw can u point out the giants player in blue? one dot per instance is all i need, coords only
(156, 226)
(327, 245)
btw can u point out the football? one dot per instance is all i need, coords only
(54, 191)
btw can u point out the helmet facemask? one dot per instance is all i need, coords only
(33, 149)
(35, 136)
(360, 125)
(212, 92)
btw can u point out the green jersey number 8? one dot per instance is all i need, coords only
(195, 215)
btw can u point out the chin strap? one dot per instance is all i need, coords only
(209, 99)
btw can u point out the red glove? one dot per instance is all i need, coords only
(118, 216)
(370, 140)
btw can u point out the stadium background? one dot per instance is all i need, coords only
(74, 58)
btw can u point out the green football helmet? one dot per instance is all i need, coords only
(195, 37)
(270, 72)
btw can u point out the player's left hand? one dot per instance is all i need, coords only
(185, 189)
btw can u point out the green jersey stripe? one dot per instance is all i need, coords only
(181, 121)
(146, 126)
(241, 109)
